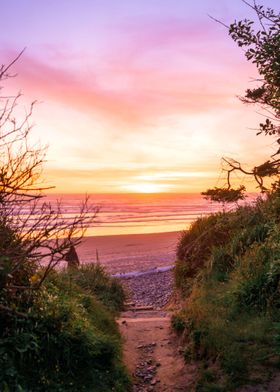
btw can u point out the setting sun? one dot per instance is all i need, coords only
(116, 118)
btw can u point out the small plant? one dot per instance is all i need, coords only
(221, 263)
(234, 364)
(208, 382)
(93, 278)
(178, 323)
(71, 337)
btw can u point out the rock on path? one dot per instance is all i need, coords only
(152, 354)
(151, 350)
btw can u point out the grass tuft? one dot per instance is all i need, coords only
(228, 269)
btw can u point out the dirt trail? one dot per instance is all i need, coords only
(152, 353)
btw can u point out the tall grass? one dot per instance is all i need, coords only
(228, 268)
(93, 278)
(67, 338)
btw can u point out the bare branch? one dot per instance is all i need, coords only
(4, 69)
(35, 236)
(218, 21)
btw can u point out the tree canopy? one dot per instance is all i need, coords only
(260, 38)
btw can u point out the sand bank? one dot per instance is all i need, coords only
(131, 252)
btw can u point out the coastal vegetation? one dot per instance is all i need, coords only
(228, 271)
(61, 338)
(57, 328)
(260, 40)
(227, 265)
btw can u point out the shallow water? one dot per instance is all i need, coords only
(134, 274)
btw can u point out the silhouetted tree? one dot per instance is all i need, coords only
(34, 235)
(223, 196)
(262, 48)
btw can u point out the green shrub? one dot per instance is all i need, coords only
(95, 280)
(234, 363)
(242, 240)
(232, 231)
(12, 253)
(221, 263)
(71, 338)
(195, 244)
(229, 267)
(259, 277)
(178, 323)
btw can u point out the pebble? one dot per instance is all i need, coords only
(146, 369)
(158, 288)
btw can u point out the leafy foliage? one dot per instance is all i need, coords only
(229, 268)
(263, 49)
(261, 41)
(232, 314)
(225, 195)
(93, 278)
(54, 335)
(70, 336)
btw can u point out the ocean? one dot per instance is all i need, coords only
(138, 213)
(152, 222)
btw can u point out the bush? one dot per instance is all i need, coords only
(53, 336)
(178, 323)
(95, 280)
(195, 246)
(232, 312)
(71, 338)
(221, 263)
(259, 277)
(230, 233)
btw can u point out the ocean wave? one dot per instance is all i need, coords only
(131, 211)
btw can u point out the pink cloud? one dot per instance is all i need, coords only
(140, 37)
(150, 90)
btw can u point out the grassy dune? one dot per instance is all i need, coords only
(66, 338)
(228, 270)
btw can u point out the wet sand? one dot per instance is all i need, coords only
(132, 252)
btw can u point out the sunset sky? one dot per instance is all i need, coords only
(134, 95)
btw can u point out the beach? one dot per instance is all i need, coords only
(121, 254)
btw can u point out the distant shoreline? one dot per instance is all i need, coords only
(168, 233)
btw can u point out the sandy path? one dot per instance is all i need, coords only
(152, 353)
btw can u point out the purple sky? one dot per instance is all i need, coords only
(136, 95)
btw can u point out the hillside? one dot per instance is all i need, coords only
(228, 271)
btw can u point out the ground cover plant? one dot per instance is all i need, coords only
(228, 264)
(57, 330)
(61, 339)
(231, 317)
(93, 278)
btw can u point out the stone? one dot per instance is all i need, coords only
(72, 258)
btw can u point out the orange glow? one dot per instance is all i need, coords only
(121, 118)
(146, 188)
